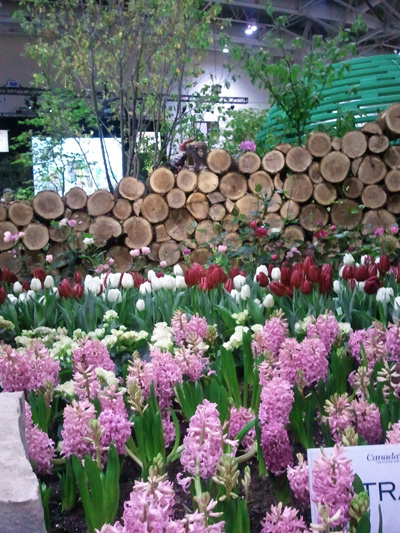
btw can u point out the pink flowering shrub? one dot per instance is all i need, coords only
(40, 446)
(271, 337)
(203, 441)
(310, 356)
(163, 372)
(373, 341)
(368, 420)
(76, 430)
(298, 477)
(184, 330)
(332, 483)
(392, 344)
(92, 353)
(283, 520)
(325, 328)
(239, 418)
(393, 435)
(27, 369)
(340, 415)
(276, 447)
(276, 402)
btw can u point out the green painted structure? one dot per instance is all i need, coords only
(377, 79)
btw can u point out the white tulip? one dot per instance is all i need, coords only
(180, 282)
(245, 292)
(396, 303)
(17, 287)
(235, 294)
(238, 282)
(348, 259)
(88, 241)
(384, 294)
(127, 281)
(276, 274)
(178, 270)
(140, 305)
(36, 284)
(114, 295)
(12, 298)
(336, 286)
(151, 274)
(168, 282)
(261, 268)
(360, 285)
(156, 283)
(268, 301)
(48, 282)
(30, 294)
(145, 287)
(113, 280)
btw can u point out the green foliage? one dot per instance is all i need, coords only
(99, 490)
(296, 72)
(45, 493)
(118, 62)
(241, 125)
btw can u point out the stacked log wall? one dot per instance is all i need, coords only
(352, 183)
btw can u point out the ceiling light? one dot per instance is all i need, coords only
(248, 30)
(254, 28)
(225, 50)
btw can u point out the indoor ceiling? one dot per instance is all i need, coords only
(324, 17)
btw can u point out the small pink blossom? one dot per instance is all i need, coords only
(71, 223)
(222, 248)
(110, 261)
(394, 229)
(274, 257)
(7, 236)
(40, 446)
(393, 435)
(186, 251)
(379, 231)
(99, 269)
(248, 146)
(63, 222)
(298, 477)
(283, 520)
(146, 250)
(49, 258)
(21, 234)
(163, 264)
(135, 252)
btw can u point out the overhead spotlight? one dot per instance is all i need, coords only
(248, 30)
(254, 28)
(225, 50)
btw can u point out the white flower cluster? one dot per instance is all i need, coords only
(162, 337)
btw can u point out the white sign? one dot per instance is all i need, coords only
(3, 140)
(379, 470)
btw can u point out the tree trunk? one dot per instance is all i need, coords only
(207, 182)
(139, 231)
(76, 198)
(298, 159)
(154, 208)
(373, 197)
(219, 161)
(313, 216)
(346, 214)
(100, 202)
(352, 188)
(186, 180)
(122, 209)
(169, 252)
(131, 188)
(36, 236)
(354, 144)
(180, 224)
(298, 187)
(233, 185)
(325, 193)
(319, 144)
(176, 198)
(197, 205)
(264, 179)
(249, 162)
(20, 213)
(372, 170)
(273, 162)
(162, 180)
(48, 205)
(335, 167)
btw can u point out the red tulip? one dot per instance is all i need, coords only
(270, 268)
(372, 270)
(39, 273)
(215, 276)
(253, 224)
(384, 264)
(295, 279)
(361, 273)
(203, 284)
(199, 268)
(26, 285)
(3, 295)
(372, 285)
(306, 287)
(235, 271)
(352, 282)
(307, 263)
(6, 275)
(313, 274)
(137, 280)
(77, 291)
(277, 288)
(262, 279)
(228, 285)
(77, 277)
(348, 271)
(64, 289)
(326, 279)
(286, 273)
(160, 274)
(289, 292)
(192, 277)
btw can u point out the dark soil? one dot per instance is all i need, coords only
(261, 497)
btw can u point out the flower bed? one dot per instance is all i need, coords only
(201, 384)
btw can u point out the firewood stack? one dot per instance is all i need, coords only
(353, 183)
